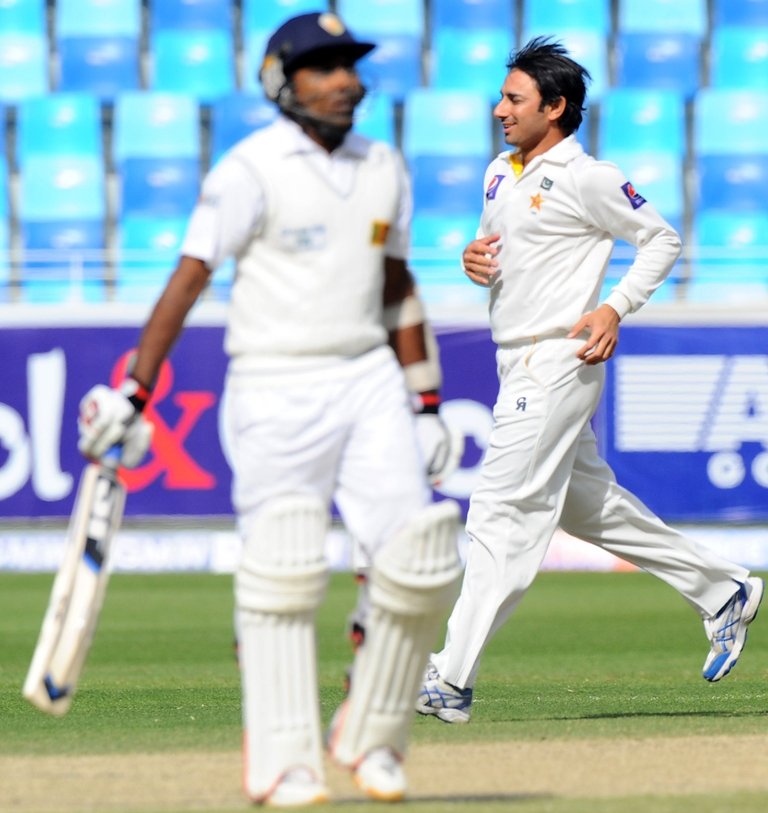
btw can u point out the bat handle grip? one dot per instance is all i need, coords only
(111, 457)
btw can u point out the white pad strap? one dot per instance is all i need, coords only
(279, 585)
(414, 581)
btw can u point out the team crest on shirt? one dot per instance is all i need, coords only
(379, 232)
(634, 197)
(493, 187)
(546, 183)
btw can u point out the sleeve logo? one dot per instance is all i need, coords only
(634, 197)
(493, 187)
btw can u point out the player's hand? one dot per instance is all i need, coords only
(479, 259)
(603, 326)
(441, 446)
(107, 417)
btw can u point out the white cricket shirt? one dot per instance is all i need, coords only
(309, 231)
(558, 223)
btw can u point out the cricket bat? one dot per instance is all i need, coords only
(78, 590)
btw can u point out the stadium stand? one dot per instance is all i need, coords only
(739, 57)
(642, 119)
(565, 15)
(191, 14)
(103, 65)
(235, 116)
(466, 14)
(662, 16)
(659, 61)
(383, 16)
(743, 12)
(93, 18)
(147, 251)
(395, 66)
(469, 59)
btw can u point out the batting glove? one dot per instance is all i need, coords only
(110, 417)
(441, 446)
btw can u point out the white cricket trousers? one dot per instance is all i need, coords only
(542, 470)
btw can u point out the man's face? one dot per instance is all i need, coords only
(524, 121)
(329, 89)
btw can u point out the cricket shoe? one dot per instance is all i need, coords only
(298, 787)
(445, 701)
(380, 776)
(727, 631)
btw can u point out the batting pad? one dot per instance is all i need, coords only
(279, 585)
(414, 581)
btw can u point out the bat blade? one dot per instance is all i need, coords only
(78, 590)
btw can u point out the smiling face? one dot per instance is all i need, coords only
(528, 124)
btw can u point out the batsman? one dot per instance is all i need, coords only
(332, 394)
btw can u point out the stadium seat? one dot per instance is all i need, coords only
(96, 18)
(657, 176)
(148, 249)
(253, 46)
(739, 57)
(394, 66)
(731, 246)
(62, 260)
(730, 122)
(198, 62)
(150, 124)
(467, 14)
(264, 16)
(663, 16)
(234, 117)
(101, 65)
(62, 187)
(23, 65)
(659, 61)
(163, 187)
(473, 59)
(58, 124)
(383, 16)
(744, 12)
(176, 14)
(732, 182)
(448, 185)
(560, 15)
(375, 118)
(3, 131)
(444, 122)
(642, 119)
(23, 17)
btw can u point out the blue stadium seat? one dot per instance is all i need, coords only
(448, 185)
(236, 116)
(663, 16)
(657, 176)
(94, 18)
(23, 17)
(199, 62)
(394, 66)
(660, 61)
(101, 65)
(475, 14)
(5, 231)
(743, 12)
(148, 249)
(62, 187)
(587, 46)
(175, 14)
(264, 16)
(558, 15)
(444, 122)
(62, 260)
(3, 131)
(4, 189)
(732, 182)
(375, 118)
(254, 45)
(472, 59)
(383, 16)
(23, 65)
(149, 124)
(739, 57)
(640, 119)
(730, 122)
(163, 187)
(58, 124)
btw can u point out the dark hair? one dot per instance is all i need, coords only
(556, 74)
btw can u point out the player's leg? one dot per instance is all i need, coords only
(279, 585)
(546, 396)
(413, 582)
(600, 511)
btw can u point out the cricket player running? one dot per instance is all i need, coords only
(551, 216)
(317, 407)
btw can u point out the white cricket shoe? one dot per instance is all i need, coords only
(727, 631)
(443, 700)
(380, 775)
(297, 787)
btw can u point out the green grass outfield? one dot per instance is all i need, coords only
(586, 656)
